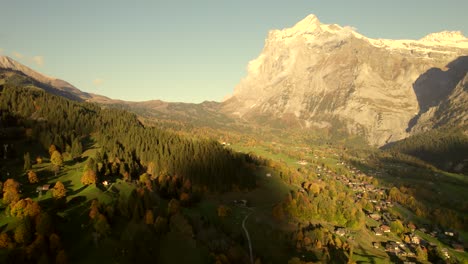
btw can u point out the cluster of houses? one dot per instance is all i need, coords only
(365, 190)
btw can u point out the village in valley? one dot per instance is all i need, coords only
(397, 236)
(394, 230)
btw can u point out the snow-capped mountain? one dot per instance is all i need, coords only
(329, 76)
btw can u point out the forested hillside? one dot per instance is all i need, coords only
(125, 141)
(446, 148)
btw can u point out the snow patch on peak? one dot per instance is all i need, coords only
(444, 36)
(430, 43)
(311, 30)
(310, 23)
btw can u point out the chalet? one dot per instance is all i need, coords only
(105, 183)
(411, 227)
(415, 240)
(445, 253)
(268, 174)
(385, 228)
(376, 244)
(377, 231)
(240, 202)
(45, 187)
(375, 216)
(391, 246)
(449, 233)
(340, 231)
(458, 247)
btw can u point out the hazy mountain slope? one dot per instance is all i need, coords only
(50, 84)
(204, 114)
(316, 75)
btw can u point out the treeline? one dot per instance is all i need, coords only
(445, 148)
(440, 215)
(54, 120)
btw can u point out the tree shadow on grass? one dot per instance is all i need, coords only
(78, 190)
(370, 258)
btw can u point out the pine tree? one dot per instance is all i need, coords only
(27, 162)
(76, 148)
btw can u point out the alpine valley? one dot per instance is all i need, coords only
(339, 147)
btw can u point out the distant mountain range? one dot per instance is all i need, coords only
(318, 76)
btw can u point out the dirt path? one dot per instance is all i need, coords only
(247, 234)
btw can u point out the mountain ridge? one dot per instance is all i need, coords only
(313, 73)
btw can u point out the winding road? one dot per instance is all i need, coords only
(247, 234)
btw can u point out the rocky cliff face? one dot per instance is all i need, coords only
(328, 76)
(452, 110)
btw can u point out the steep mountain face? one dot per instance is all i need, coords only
(452, 111)
(328, 76)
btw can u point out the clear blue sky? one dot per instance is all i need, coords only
(189, 50)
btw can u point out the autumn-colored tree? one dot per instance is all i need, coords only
(52, 148)
(39, 160)
(23, 233)
(173, 207)
(89, 177)
(33, 208)
(25, 207)
(57, 160)
(145, 180)
(5, 240)
(32, 177)
(184, 198)
(149, 217)
(397, 227)
(59, 191)
(223, 210)
(11, 191)
(187, 186)
(151, 170)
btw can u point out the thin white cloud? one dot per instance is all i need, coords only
(17, 55)
(38, 60)
(98, 81)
